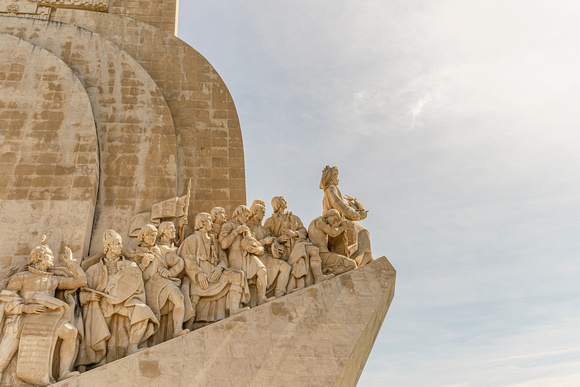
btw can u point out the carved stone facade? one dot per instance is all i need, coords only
(124, 143)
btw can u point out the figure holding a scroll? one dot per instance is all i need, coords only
(35, 319)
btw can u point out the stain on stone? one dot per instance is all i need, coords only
(312, 292)
(149, 368)
(278, 310)
(346, 282)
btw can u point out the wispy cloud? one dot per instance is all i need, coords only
(417, 107)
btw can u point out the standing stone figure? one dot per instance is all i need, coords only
(218, 218)
(318, 231)
(35, 319)
(167, 235)
(162, 287)
(355, 243)
(278, 270)
(299, 252)
(117, 319)
(213, 287)
(230, 240)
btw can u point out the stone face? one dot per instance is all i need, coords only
(48, 153)
(209, 148)
(318, 336)
(134, 125)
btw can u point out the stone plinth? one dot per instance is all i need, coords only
(318, 336)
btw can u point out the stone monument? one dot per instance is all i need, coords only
(120, 145)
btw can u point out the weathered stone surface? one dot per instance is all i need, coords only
(48, 154)
(135, 127)
(209, 149)
(160, 13)
(319, 336)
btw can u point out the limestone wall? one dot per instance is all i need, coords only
(209, 148)
(159, 13)
(48, 154)
(136, 133)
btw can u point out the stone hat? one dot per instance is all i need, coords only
(327, 175)
(110, 236)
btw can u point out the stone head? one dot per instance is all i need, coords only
(112, 243)
(241, 214)
(332, 216)
(279, 203)
(41, 257)
(258, 211)
(329, 177)
(167, 229)
(218, 215)
(148, 235)
(203, 221)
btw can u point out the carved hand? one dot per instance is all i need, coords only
(34, 309)
(164, 272)
(147, 259)
(290, 233)
(95, 297)
(203, 282)
(243, 229)
(268, 240)
(68, 256)
(216, 273)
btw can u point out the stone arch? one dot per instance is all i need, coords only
(48, 154)
(134, 124)
(210, 148)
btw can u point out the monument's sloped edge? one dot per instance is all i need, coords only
(321, 335)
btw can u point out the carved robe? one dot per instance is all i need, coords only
(296, 249)
(249, 264)
(356, 241)
(157, 288)
(202, 255)
(35, 334)
(110, 321)
(278, 269)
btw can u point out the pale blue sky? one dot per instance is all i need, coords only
(457, 124)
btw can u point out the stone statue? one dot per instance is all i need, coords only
(213, 287)
(162, 287)
(35, 319)
(355, 243)
(218, 218)
(230, 239)
(117, 319)
(167, 235)
(278, 270)
(299, 252)
(329, 225)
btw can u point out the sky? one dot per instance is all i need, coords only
(457, 125)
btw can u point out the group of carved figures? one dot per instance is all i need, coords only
(78, 316)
